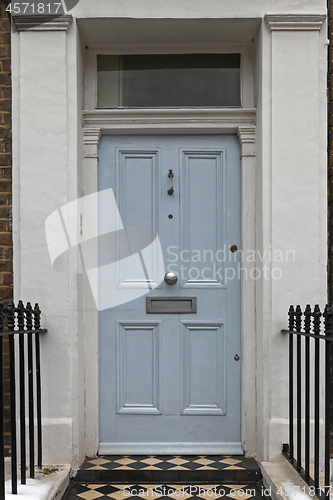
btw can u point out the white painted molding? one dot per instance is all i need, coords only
(247, 138)
(295, 22)
(42, 23)
(247, 134)
(168, 120)
(91, 138)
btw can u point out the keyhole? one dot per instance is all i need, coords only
(170, 216)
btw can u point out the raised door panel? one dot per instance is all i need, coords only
(137, 194)
(204, 369)
(202, 218)
(137, 354)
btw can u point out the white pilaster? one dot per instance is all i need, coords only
(41, 180)
(293, 201)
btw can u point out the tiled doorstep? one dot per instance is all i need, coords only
(79, 491)
(168, 469)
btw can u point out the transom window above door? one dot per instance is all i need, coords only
(168, 80)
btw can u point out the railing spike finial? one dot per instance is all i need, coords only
(291, 314)
(328, 315)
(28, 313)
(20, 315)
(37, 313)
(10, 315)
(307, 316)
(316, 319)
(298, 315)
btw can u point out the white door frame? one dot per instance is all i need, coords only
(177, 121)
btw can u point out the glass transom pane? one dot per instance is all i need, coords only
(168, 80)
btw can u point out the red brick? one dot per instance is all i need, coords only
(5, 200)
(6, 93)
(4, 210)
(6, 66)
(6, 173)
(5, 38)
(4, 225)
(5, 186)
(5, 239)
(7, 253)
(8, 118)
(6, 266)
(6, 386)
(5, 78)
(5, 51)
(5, 105)
(5, 159)
(6, 133)
(7, 279)
(6, 292)
(8, 146)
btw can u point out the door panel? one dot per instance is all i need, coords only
(169, 382)
(138, 368)
(138, 170)
(202, 341)
(203, 186)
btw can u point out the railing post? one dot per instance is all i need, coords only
(11, 325)
(13, 454)
(28, 315)
(291, 323)
(31, 404)
(37, 314)
(298, 315)
(307, 328)
(328, 397)
(316, 331)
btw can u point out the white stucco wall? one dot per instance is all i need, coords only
(47, 101)
(289, 71)
(292, 203)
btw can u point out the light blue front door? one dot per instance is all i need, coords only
(169, 382)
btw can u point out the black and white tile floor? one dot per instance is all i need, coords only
(164, 477)
(165, 462)
(168, 469)
(164, 491)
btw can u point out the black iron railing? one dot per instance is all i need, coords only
(310, 328)
(22, 324)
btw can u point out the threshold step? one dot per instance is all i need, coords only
(245, 491)
(168, 469)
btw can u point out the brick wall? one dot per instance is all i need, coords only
(6, 247)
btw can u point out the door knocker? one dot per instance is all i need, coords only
(170, 175)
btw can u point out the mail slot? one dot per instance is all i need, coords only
(171, 305)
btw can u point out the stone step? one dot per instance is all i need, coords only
(168, 469)
(212, 491)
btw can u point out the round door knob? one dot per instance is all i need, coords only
(171, 278)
